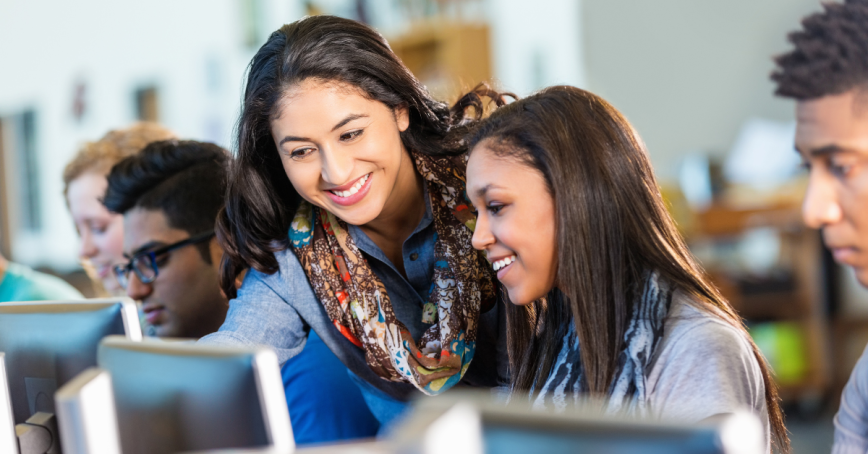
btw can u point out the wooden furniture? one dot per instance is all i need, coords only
(449, 57)
(801, 304)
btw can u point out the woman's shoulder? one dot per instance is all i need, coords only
(697, 341)
(288, 266)
(705, 366)
(689, 321)
(287, 280)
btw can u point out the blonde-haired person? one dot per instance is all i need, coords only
(84, 184)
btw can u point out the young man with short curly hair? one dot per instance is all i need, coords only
(827, 74)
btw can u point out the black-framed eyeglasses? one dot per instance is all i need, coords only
(144, 264)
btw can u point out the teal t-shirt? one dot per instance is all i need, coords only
(20, 283)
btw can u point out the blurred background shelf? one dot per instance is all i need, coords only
(771, 269)
(448, 56)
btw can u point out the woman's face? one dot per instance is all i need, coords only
(516, 223)
(341, 151)
(101, 232)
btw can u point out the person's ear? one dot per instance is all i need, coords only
(240, 279)
(216, 253)
(402, 117)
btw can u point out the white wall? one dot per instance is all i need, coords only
(193, 50)
(687, 73)
(537, 43)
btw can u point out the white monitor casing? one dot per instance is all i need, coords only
(86, 411)
(45, 344)
(8, 441)
(196, 398)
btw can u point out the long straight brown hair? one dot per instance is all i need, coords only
(612, 226)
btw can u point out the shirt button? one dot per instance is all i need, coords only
(414, 256)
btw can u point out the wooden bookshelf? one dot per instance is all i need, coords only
(448, 56)
(802, 303)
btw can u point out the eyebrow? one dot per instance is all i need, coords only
(347, 119)
(144, 247)
(483, 190)
(825, 151)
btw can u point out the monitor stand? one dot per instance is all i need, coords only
(38, 435)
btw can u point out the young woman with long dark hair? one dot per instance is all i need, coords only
(346, 202)
(607, 299)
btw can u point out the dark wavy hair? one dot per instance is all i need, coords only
(612, 227)
(830, 52)
(260, 199)
(184, 179)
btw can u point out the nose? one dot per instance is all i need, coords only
(337, 167)
(88, 248)
(138, 290)
(821, 206)
(482, 236)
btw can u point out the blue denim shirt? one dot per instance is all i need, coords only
(278, 310)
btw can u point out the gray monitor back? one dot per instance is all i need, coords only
(487, 425)
(48, 343)
(173, 397)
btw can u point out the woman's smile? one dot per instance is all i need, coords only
(352, 192)
(503, 265)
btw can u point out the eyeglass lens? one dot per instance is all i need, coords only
(144, 266)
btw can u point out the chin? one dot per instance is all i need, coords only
(165, 331)
(522, 295)
(358, 214)
(356, 218)
(519, 296)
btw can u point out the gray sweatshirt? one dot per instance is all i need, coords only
(851, 422)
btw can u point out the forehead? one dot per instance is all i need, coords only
(832, 120)
(88, 187)
(143, 226)
(317, 105)
(487, 167)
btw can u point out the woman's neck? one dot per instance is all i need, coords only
(401, 213)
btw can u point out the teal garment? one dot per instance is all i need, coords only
(20, 283)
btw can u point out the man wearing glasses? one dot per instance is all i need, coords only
(170, 194)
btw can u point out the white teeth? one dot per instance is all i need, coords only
(353, 189)
(500, 264)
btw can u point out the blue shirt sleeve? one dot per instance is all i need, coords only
(260, 316)
(324, 404)
(851, 422)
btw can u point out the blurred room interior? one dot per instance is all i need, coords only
(692, 77)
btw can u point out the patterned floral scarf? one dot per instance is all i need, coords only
(356, 300)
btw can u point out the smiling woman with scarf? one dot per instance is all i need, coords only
(347, 204)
